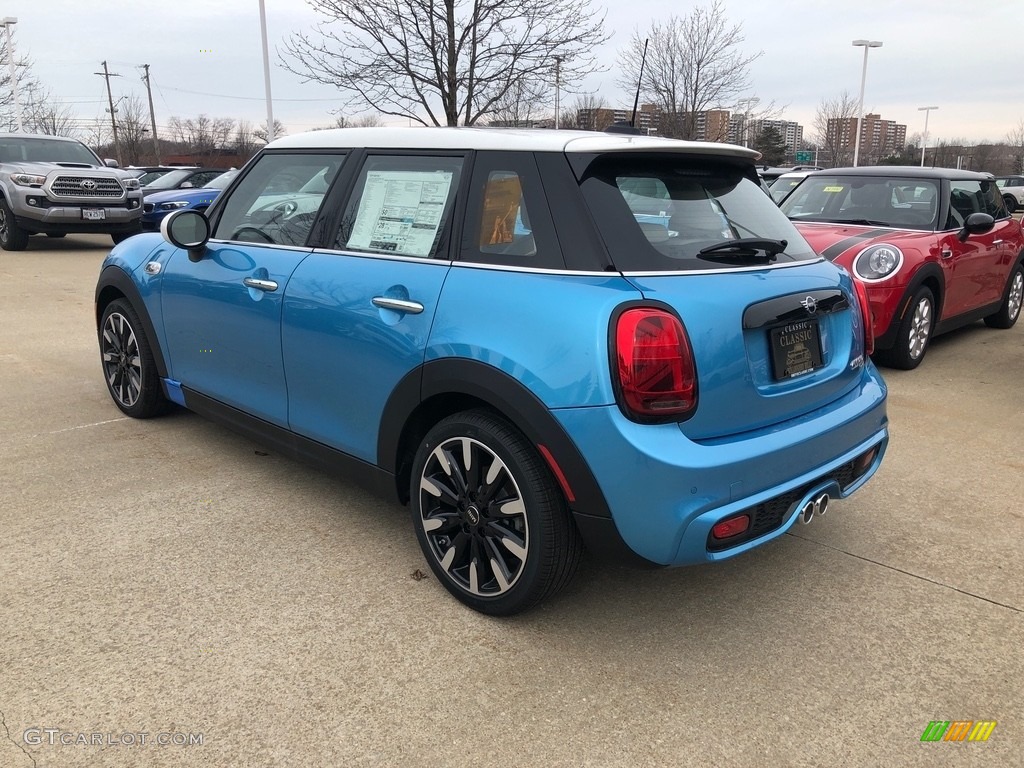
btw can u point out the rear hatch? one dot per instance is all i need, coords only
(775, 330)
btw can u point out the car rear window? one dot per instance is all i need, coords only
(656, 213)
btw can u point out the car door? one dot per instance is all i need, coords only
(222, 313)
(357, 313)
(974, 277)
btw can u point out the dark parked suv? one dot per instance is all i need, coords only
(55, 186)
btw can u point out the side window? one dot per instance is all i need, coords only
(992, 201)
(401, 205)
(964, 199)
(278, 199)
(507, 218)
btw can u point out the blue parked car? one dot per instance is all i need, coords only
(539, 340)
(158, 204)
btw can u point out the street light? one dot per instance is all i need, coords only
(863, 78)
(8, 22)
(266, 73)
(924, 139)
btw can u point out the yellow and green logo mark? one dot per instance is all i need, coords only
(958, 730)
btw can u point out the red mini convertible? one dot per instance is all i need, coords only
(935, 248)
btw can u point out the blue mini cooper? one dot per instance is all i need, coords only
(539, 340)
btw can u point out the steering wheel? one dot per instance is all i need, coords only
(264, 237)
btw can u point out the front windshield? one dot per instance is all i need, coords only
(21, 150)
(875, 201)
(222, 181)
(169, 180)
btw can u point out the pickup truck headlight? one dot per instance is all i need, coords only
(877, 262)
(172, 206)
(28, 179)
(131, 184)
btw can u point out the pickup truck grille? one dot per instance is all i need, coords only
(86, 186)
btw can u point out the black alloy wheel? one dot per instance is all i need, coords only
(489, 516)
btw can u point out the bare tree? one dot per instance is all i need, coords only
(202, 137)
(445, 62)
(246, 144)
(41, 114)
(694, 63)
(1015, 139)
(260, 131)
(589, 113)
(518, 108)
(133, 130)
(830, 119)
(26, 82)
(372, 120)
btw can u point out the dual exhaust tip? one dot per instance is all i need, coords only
(817, 506)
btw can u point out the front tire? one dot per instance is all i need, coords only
(1011, 203)
(12, 237)
(490, 518)
(914, 334)
(1013, 297)
(128, 364)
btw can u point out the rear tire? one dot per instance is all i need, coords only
(12, 237)
(1011, 203)
(1013, 297)
(129, 367)
(489, 516)
(914, 334)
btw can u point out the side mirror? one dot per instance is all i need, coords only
(111, 163)
(976, 224)
(187, 229)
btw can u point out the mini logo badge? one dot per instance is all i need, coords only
(88, 185)
(810, 304)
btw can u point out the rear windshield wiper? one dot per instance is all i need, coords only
(744, 249)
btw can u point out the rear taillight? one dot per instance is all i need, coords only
(657, 378)
(865, 313)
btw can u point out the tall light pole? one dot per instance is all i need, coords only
(924, 139)
(266, 73)
(8, 22)
(863, 79)
(558, 82)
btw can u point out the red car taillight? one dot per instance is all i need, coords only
(657, 377)
(865, 313)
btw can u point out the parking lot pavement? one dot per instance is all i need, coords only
(171, 578)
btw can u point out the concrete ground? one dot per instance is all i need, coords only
(168, 577)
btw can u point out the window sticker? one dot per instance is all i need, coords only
(500, 218)
(832, 189)
(400, 211)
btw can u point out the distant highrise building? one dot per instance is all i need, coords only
(878, 137)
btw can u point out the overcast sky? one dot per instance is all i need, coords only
(205, 57)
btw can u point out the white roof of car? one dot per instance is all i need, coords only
(515, 139)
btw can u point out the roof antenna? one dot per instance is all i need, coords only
(622, 126)
(639, 80)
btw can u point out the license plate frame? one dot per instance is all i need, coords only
(94, 214)
(795, 349)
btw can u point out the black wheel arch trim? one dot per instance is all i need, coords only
(488, 385)
(929, 271)
(114, 277)
(459, 376)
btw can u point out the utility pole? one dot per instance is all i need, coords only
(110, 99)
(152, 114)
(558, 78)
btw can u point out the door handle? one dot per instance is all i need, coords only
(260, 285)
(398, 305)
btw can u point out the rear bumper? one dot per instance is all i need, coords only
(665, 492)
